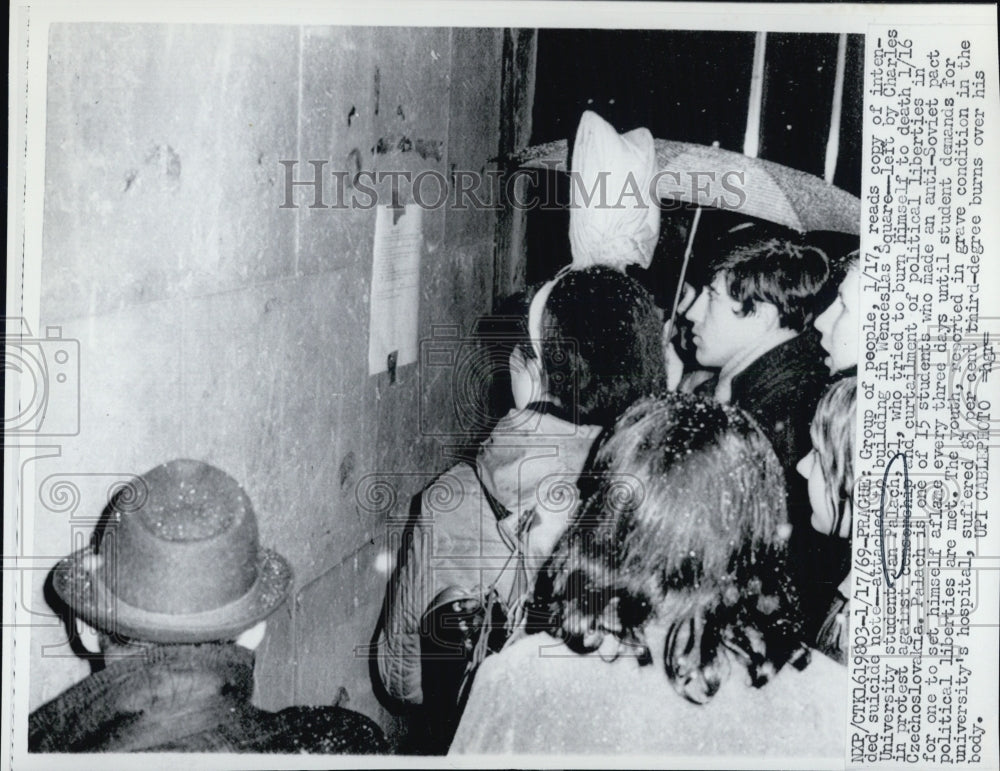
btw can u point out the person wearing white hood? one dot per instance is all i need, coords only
(482, 530)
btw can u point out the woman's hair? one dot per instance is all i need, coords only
(601, 344)
(683, 520)
(832, 434)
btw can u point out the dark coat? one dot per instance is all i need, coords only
(193, 698)
(781, 390)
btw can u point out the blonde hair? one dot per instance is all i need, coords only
(832, 434)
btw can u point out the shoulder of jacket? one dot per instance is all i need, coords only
(326, 729)
(449, 488)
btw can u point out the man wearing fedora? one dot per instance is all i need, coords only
(174, 590)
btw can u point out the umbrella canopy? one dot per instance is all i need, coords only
(722, 179)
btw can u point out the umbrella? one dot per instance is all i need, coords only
(710, 176)
(722, 179)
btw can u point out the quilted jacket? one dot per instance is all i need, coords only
(469, 525)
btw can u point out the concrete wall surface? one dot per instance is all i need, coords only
(214, 324)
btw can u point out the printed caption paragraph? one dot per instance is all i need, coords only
(924, 619)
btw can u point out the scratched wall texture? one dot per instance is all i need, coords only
(215, 325)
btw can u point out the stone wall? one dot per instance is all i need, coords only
(214, 324)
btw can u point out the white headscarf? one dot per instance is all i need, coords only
(621, 226)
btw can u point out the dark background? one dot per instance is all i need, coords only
(692, 87)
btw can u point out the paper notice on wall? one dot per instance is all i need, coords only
(395, 295)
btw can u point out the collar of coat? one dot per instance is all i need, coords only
(160, 694)
(790, 366)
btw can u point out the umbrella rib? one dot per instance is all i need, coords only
(680, 281)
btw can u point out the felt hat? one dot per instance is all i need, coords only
(175, 559)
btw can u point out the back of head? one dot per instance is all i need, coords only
(781, 271)
(602, 344)
(841, 250)
(684, 522)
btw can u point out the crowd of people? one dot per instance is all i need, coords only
(649, 552)
(695, 575)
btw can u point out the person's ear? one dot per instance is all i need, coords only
(767, 314)
(87, 636)
(252, 637)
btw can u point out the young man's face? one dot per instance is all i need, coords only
(838, 324)
(721, 334)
